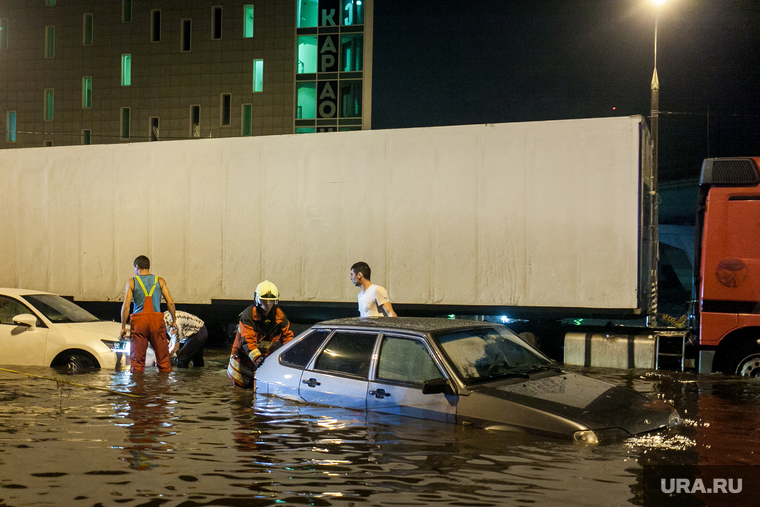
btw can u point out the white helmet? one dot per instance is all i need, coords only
(267, 291)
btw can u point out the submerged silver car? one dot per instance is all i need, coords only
(459, 371)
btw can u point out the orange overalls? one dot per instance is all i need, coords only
(148, 326)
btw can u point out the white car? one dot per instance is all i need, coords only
(43, 329)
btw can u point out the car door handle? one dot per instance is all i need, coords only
(312, 382)
(379, 393)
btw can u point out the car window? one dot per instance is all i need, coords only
(348, 353)
(9, 308)
(59, 310)
(301, 353)
(406, 360)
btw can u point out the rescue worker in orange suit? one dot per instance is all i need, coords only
(262, 328)
(146, 320)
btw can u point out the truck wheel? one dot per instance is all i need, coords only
(745, 361)
(75, 362)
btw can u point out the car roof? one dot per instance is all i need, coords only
(417, 324)
(8, 291)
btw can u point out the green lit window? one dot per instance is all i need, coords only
(195, 121)
(352, 12)
(246, 123)
(86, 136)
(248, 21)
(350, 99)
(307, 13)
(49, 42)
(306, 106)
(87, 30)
(126, 70)
(49, 98)
(305, 130)
(125, 114)
(258, 75)
(86, 92)
(307, 54)
(186, 32)
(4, 33)
(10, 126)
(49, 3)
(126, 11)
(352, 53)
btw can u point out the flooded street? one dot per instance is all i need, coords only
(188, 438)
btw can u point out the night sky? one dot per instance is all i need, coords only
(452, 62)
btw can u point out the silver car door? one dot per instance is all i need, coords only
(20, 344)
(403, 365)
(338, 375)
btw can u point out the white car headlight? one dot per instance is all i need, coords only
(117, 346)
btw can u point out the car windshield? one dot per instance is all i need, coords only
(488, 353)
(59, 310)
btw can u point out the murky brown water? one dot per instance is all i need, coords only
(189, 439)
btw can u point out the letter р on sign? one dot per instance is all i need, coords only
(328, 53)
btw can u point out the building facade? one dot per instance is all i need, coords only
(115, 71)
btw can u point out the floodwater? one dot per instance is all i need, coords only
(189, 439)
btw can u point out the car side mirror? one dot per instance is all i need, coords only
(26, 319)
(438, 386)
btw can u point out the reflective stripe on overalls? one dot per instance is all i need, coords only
(147, 326)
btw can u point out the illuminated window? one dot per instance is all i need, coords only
(258, 75)
(10, 126)
(307, 55)
(4, 33)
(49, 98)
(305, 130)
(49, 42)
(186, 31)
(248, 21)
(225, 107)
(153, 127)
(306, 96)
(352, 53)
(86, 136)
(245, 112)
(350, 99)
(307, 13)
(49, 3)
(216, 22)
(195, 121)
(87, 30)
(86, 92)
(126, 70)
(155, 26)
(125, 114)
(126, 11)
(352, 12)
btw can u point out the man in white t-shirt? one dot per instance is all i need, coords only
(373, 299)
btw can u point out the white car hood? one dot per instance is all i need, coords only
(108, 329)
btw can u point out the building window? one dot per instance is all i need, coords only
(305, 130)
(245, 113)
(124, 131)
(49, 96)
(10, 126)
(87, 136)
(350, 99)
(306, 100)
(225, 106)
(195, 121)
(258, 75)
(155, 26)
(186, 31)
(4, 33)
(47, 144)
(352, 12)
(49, 3)
(216, 22)
(126, 11)
(87, 30)
(352, 53)
(49, 42)
(153, 128)
(307, 13)
(307, 55)
(86, 92)
(126, 70)
(248, 21)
